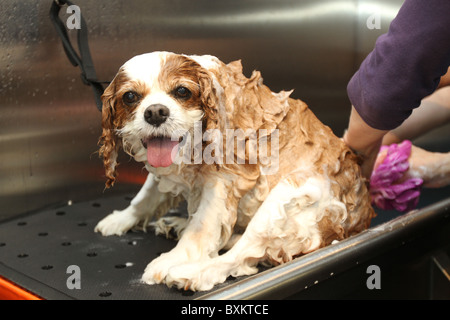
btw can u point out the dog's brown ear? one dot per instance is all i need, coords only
(208, 99)
(109, 141)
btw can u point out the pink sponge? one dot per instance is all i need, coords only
(387, 191)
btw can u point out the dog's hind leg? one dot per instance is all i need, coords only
(286, 224)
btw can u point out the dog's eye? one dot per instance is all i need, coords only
(130, 97)
(182, 92)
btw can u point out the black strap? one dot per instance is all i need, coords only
(88, 75)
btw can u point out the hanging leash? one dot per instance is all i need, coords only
(84, 60)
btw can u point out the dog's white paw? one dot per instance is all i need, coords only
(117, 223)
(200, 275)
(205, 274)
(196, 276)
(157, 270)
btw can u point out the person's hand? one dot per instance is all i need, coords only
(390, 186)
(364, 141)
(400, 172)
(432, 167)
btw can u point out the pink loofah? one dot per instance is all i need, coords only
(386, 190)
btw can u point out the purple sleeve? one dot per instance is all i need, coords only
(405, 65)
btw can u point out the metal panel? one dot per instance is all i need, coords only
(49, 125)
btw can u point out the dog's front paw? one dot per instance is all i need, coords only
(205, 274)
(196, 276)
(117, 223)
(157, 270)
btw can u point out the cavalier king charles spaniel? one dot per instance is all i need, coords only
(264, 180)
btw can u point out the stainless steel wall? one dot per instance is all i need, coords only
(49, 125)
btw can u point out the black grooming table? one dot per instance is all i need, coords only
(37, 249)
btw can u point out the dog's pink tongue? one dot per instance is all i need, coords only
(159, 151)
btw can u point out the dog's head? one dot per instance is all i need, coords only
(156, 98)
(152, 100)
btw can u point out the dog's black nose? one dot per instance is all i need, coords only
(156, 114)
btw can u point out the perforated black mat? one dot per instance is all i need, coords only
(36, 251)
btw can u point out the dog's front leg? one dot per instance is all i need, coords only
(208, 230)
(143, 207)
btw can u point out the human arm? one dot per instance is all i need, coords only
(434, 112)
(364, 140)
(432, 167)
(407, 64)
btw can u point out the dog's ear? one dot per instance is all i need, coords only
(109, 141)
(209, 100)
(219, 89)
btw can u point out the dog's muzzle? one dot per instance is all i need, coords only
(156, 114)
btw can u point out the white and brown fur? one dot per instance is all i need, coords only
(316, 196)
